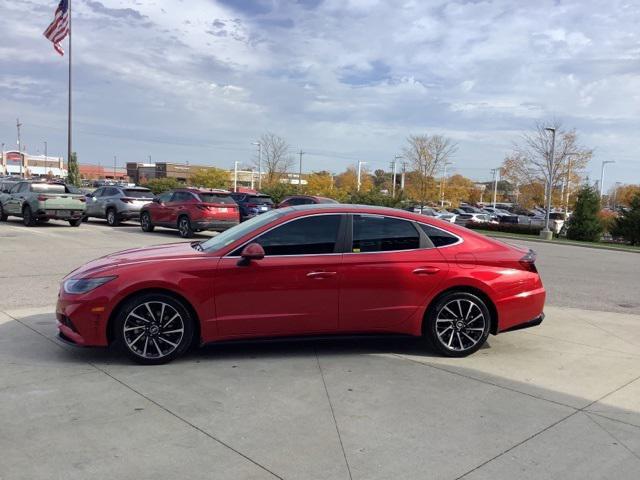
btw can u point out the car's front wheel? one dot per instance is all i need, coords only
(145, 222)
(154, 328)
(458, 324)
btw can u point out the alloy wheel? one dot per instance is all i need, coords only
(184, 227)
(460, 324)
(153, 330)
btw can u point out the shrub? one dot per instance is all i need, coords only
(627, 225)
(584, 224)
(278, 191)
(607, 220)
(159, 185)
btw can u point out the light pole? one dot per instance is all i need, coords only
(2, 158)
(442, 183)
(616, 186)
(394, 163)
(300, 170)
(259, 145)
(496, 172)
(604, 162)
(115, 161)
(18, 125)
(360, 163)
(235, 176)
(545, 232)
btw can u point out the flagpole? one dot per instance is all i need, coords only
(69, 105)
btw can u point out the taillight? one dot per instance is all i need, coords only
(528, 262)
(126, 200)
(252, 205)
(82, 199)
(42, 198)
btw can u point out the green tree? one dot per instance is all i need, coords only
(627, 225)
(159, 185)
(73, 172)
(277, 191)
(585, 224)
(210, 178)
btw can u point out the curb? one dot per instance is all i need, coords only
(566, 244)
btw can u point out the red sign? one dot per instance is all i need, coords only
(13, 158)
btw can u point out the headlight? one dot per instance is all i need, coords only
(84, 285)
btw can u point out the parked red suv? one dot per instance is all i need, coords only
(190, 210)
(292, 200)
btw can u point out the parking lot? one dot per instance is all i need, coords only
(558, 401)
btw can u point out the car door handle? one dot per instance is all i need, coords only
(426, 270)
(320, 275)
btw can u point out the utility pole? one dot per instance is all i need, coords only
(18, 125)
(442, 183)
(115, 161)
(360, 163)
(393, 165)
(2, 158)
(604, 162)
(300, 170)
(253, 172)
(46, 159)
(496, 172)
(404, 171)
(235, 176)
(259, 145)
(545, 232)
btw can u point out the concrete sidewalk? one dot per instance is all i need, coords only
(558, 401)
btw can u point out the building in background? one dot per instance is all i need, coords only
(98, 172)
(17, 163)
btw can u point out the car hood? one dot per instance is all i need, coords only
(156, 253)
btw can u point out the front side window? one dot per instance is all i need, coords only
(316, 235)
(374, 233)
(165, 197)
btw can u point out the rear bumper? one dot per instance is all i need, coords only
(520, 309)
(531, 323)
(55, 214)
(219, 225)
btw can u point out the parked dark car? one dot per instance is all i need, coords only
(191, 210)
(252, 204)
(304, 200)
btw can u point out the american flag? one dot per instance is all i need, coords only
(59, 28)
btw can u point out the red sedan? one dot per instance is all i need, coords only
(314, 269)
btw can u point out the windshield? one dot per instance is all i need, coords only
(138, 193)
(235, 233)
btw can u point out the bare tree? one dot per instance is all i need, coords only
(426, 154)
(276, 157)
(531, 162)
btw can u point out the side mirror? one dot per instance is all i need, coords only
(156, 200)
(253, 251)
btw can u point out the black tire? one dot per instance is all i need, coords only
(457, 324)
(112, 217)
(145, 222)
(184, 227)
(3, 216)
(28, 218)
(141, 335)
(75, 223)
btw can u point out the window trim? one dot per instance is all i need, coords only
(340, 241)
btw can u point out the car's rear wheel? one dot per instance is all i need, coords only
(184, 227)
(76, 222)
(458, 324)
(3, 216)
(112, 217)
(28, 218)
(154, 328)
(145, 222)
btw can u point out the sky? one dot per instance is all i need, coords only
(343, 80)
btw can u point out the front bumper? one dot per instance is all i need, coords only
(83, 322)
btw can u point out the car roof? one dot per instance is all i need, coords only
(202, 190)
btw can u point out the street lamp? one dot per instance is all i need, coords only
(604, 162)
(545, 232)
(394, 164)
(442, 182)
(259, 145)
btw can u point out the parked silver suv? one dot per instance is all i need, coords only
(117, 204)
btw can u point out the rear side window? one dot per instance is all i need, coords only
(223, 198)
(182, 197)
(314, 235)
(438, 237)
(372, 233)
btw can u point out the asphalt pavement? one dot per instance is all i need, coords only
(558, 401)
